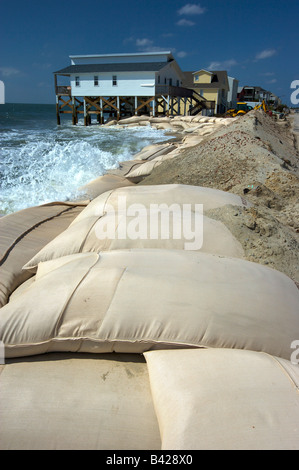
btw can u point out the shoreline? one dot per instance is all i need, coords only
(254, 157)
(184, 132)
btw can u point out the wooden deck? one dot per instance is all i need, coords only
(63, 90)
(168, 101)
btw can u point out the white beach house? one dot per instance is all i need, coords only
(123, 74)
(121, 84)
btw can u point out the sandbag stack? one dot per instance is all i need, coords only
(199, 339)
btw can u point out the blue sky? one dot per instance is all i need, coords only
(256, 41)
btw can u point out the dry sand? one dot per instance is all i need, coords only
(256, 157)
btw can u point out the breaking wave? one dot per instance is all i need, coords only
(50, 164)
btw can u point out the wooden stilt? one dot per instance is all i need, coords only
(171, 101)
(57, 110)
(85, 113)
(74, 117)
(118, 108)
(102, 114)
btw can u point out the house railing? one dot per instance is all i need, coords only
(173, 91)
(63, 90)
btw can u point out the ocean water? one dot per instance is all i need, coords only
(41, 162)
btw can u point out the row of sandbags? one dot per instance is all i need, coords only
(131, 293)
(24, 233)
(172, 123)
(27, 232)
(216, 331)
(123, 206)
(132, 301)
(187, 399)
(193, 130)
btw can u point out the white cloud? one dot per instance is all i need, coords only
(272, 81)
(143, 42)
(224, 65)
(191, 9)
(181, 54)
(9, 71)
(184, 22)
(265, 54)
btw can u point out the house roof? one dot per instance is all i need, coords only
(203, 70)
(217, 80)
(119, 67)
(132, 54)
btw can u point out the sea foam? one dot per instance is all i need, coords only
(45, 165)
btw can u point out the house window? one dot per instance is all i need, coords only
(158, 78)
(196, 78)
(177, 83)
(170, 82)
(77, 81)
(114, 80)
(201, 92)
(96, 80)
(165, 80)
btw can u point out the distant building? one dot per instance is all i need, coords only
(275, 100)
(253, 94)
(232, 95)
(211, 85)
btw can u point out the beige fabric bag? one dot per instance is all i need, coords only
(215, 237)
(77, 402)
(137, 300)
(143, 170)
(224, 399)
(81, 235)
(153, 151)
(23, 234)
(103, 184)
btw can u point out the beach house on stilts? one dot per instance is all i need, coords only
(119, 85)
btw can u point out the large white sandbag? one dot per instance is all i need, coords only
(153, 151)
(102, 184)
(137, 300)
(143, 170)
(23, 234)
(122, 231)
(77, 402)
(133, 120)
(224, 399)
(81, 237)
